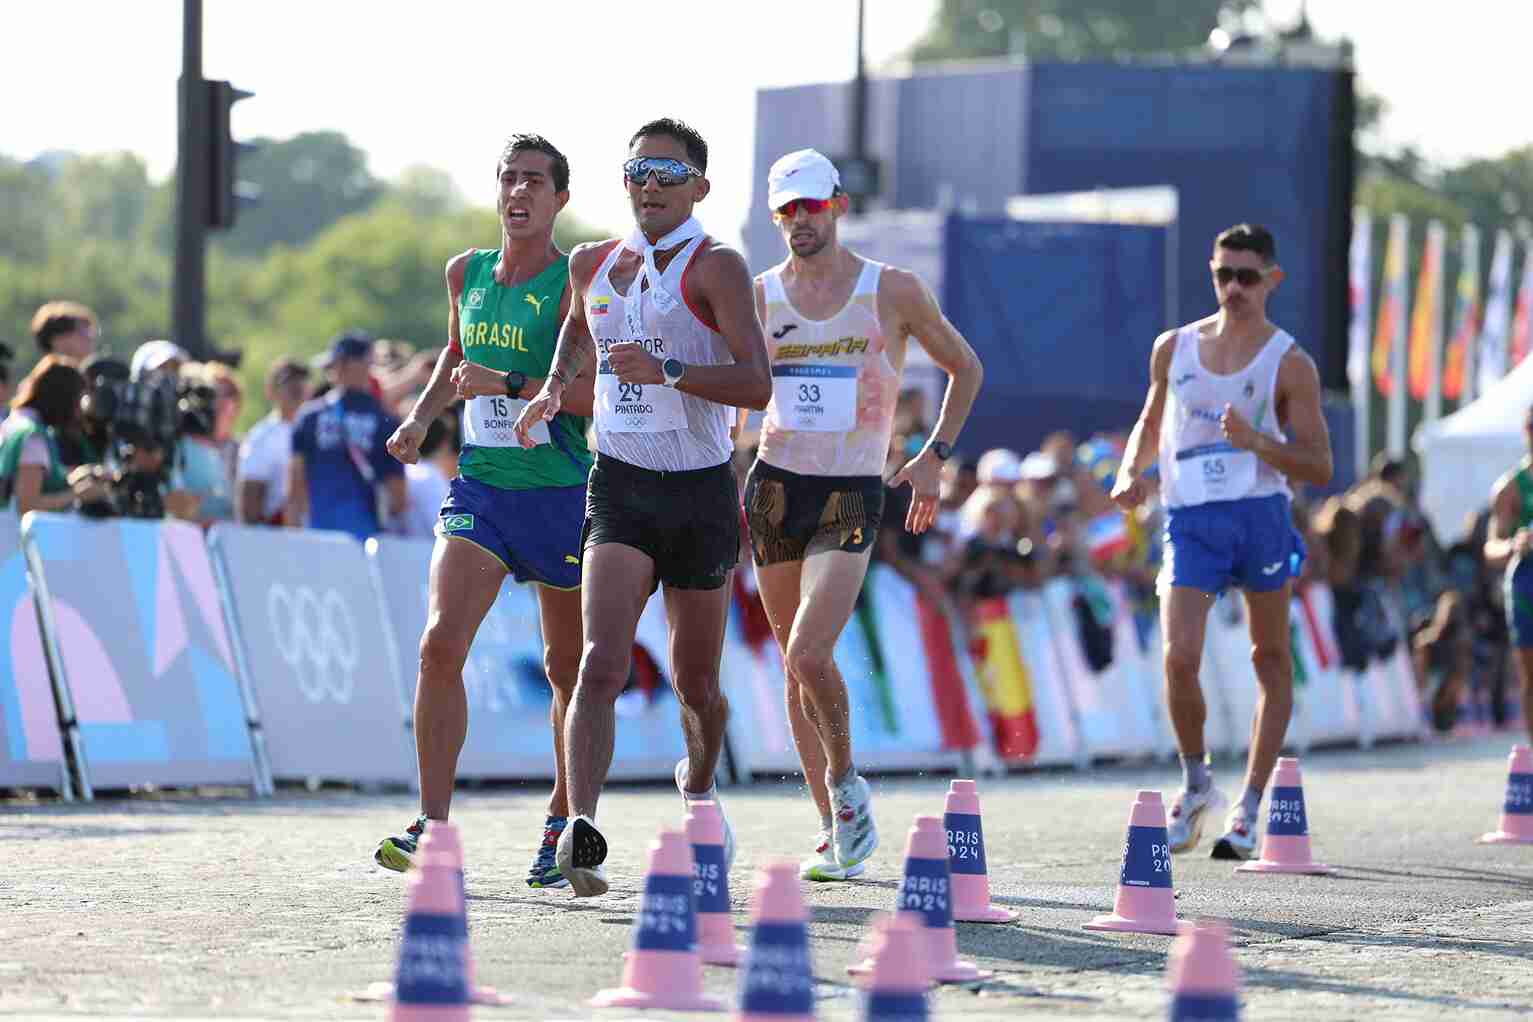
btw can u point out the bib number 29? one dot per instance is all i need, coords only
(627, 392)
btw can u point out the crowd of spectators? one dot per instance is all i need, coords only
(156, 436)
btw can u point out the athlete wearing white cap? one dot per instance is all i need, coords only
(837, 327)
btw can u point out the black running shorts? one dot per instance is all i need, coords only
(791, 516)
(688, 523)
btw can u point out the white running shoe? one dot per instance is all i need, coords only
(682, 774)
(854, 836)
(1239, 840)
(823, 866)
(1184, 823)
(580, 855)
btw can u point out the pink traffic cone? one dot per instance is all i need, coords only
(1517, 812)
(663, 970)
(431, 983)
(1201, 974)
(927, 889)
(715, 930)
(966, 858)
(1145, 902)
(442, 838)
(777, 976)
(895, 988)
(1285, 846)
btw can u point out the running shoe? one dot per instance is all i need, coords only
(579, 856)
(398, 853)
(1184, 824)
(853, 833)
(1239, 840)
(544, 871)
(822, 865)
(681, 775)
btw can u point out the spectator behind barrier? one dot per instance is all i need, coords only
(339, 459)
(67, 329)
(261, 479)
(426, 480)
(6, 354)
(32, 471)
(200, 467)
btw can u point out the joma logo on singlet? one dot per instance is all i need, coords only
(844, 346)
(499, 335)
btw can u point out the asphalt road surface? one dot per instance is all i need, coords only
(196, 907)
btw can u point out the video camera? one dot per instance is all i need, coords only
(142, 422)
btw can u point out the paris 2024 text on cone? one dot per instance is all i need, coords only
(431, 982)
(1201, 975)
(715, 929)
(1517, 811)
(1285, 846)
(777, 976)
(662, 970)
(894, 989)
(1145, 902)
(966, 858)
(927, 889)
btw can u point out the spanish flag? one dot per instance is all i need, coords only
(1004, 678)
(1466, 320)
(1426, 318)
(1391, 312)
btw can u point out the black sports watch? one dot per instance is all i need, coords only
(515, 381)
(941, 449)
(673, 368)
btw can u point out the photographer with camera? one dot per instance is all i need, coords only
(33, 476)
(201, 467)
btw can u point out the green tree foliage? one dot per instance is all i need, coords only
(1070, 29)
(306, 183)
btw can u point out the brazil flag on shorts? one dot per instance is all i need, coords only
(515, 329)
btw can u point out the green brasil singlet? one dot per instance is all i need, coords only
(1524, 482)
(515, 329)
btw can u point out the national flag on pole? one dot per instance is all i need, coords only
(1466, 321)
(1496, 329)
(1426, 318)
(1360, 272)
(1391, 309)
(1522, 323)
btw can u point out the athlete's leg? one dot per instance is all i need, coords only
(1183, 617)
(465, 580)
(1524, 659)
(697, 618)
(559, 612)
(1271, 655)
(617, 582)
(830, 582)
(779, 586)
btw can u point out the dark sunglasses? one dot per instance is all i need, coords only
(667, 171)
(1246, 276)
(789, 209)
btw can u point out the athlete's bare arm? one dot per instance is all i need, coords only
(719, 284)
(574, 355)
(1144, 441)
(1306, 456)
(1505, 539)
(405, 444)
(917, 315)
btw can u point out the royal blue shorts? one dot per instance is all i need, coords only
(1518, 597)
(534, 533)
(1249, 544)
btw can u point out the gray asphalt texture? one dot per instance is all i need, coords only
(195, 907)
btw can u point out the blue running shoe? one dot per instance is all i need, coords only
(544, 871)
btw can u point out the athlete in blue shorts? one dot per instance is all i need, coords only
(1510, 543)
(1233, 414)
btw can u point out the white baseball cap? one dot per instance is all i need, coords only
(999, 465)
(151, 355)
(803, 174)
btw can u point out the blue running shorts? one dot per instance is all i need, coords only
(1518, 593)
(1248, 544)
(534, 533)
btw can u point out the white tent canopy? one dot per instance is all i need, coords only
(1464, 454)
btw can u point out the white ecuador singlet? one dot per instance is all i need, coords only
(1197, 464)
(833, 386)
(651, 425)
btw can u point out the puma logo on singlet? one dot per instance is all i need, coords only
(536, 303)
(780, 334)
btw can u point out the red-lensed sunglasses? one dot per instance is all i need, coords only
(789, 209)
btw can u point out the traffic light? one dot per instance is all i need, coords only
(224, 189)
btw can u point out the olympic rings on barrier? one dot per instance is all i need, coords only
(316, 637)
